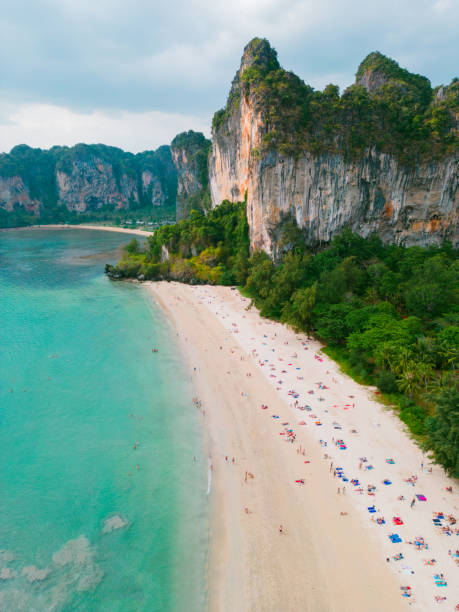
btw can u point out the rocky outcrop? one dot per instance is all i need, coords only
(14, 193)
(325, 191)
(86, 178)
(325, 194)
(152, 189)
(190, 152)
(90, 184)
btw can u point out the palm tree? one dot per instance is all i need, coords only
(411, 377)
(424, 373)
(401, 360)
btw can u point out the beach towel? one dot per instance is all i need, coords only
(395, 538)
(421, 497)
(371, 509)
(387, 482)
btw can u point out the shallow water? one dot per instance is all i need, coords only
(87, 521)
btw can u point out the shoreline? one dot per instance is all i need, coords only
(325, 560)
(56, 226)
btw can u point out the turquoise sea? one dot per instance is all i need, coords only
(102, 505)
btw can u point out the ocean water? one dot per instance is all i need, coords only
(102, 505)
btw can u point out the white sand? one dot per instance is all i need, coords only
(324, 561)
(105, 228)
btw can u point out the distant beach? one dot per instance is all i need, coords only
(107, 228)
(320, 500)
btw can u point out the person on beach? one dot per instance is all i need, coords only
(281, 529)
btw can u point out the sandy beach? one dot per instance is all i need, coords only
(105, 228)
(333, 553)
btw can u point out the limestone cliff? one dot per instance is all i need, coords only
(54, 184)
(277, 144)
(89, 183)
(14, 193)
(190, 152)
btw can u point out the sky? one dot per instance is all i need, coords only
(134, 74)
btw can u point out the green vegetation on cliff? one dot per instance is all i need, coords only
(390, 108)
(196, 148)
(388, 314)
(38, 168)
(212, 248)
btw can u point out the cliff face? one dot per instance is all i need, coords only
(190, 151)
(374, 195)
(90, 184)
(86, 178)
(324, 191)
(14, 193)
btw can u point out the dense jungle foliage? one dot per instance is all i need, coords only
(38, 167)
(403, 115)
(211, 248)
(388, 314)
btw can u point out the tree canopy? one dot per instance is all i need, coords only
(389, 314)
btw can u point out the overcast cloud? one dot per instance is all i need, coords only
(133, 74)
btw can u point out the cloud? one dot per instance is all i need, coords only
(179, 57)
(44, 125)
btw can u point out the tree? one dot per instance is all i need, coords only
(408, 381)
(443, 427)
(301, 308)
(331, 322)
(259, 279)
(132, 247)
